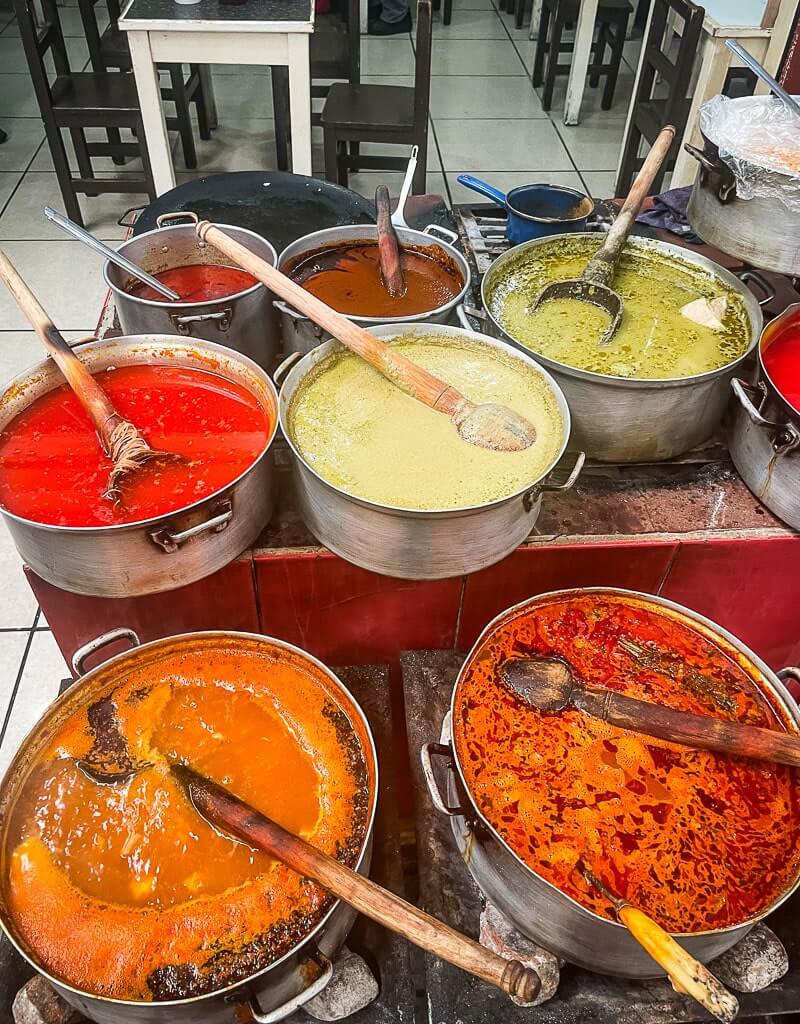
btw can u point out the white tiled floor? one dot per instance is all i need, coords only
(486, 119)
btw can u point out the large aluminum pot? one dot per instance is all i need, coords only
(536, 907)
(299, 334)
(245, 322)
(409, 543)
(619, 419)
(279, 989)
(167, 551)
(764, 434)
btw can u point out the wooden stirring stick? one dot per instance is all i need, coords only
(487, 426)
(388, 246)
(120, 439)
(226, 811)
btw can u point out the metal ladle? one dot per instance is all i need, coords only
(114, 257)
(763, 74)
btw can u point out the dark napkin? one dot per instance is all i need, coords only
(668, 213)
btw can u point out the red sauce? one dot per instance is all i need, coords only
(782, 363)
(53, 469)
(196, 283)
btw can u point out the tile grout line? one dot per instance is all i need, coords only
(15, 689)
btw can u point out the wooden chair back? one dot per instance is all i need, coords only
(422, 64)
(39, 40)
(677, 72)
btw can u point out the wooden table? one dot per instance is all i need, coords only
(263, 32)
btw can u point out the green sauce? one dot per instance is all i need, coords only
(654, 340)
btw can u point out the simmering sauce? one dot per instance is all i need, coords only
(348, 277)
(782, 363)
(695, 839)
(125, 890)
(53, 469)
(197, 282)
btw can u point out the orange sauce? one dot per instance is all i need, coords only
(695, 839)
(126, 890)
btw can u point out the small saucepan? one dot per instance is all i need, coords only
(536, 210)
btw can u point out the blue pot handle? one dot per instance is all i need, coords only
(483, 188)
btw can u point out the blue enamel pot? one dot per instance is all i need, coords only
(536, 210)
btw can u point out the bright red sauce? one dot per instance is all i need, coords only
(196, 283)
(53, 469)
(782, 363)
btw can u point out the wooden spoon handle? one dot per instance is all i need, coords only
(226, 811)
(686, 974)
(400, 371)
(700, 731)
(89, 393)
(388, 245)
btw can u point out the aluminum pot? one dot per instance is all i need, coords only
(764, 433)
(299, 334)
(245, 322)
(536, 907)
(409, 543)
(619, 419)
(168, 551)
(268, 995)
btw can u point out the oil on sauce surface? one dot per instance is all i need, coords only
(348, 277)
(197, 282)
(695, 839)
(125, 890)
(53, 469)
(363, 434)
(654, 341)
(782, 363)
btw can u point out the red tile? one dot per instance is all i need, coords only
(536, 569)
(225, 600)
(751, 587)
(348, 616)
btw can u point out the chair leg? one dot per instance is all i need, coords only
(280, 111)
(184, 117)
(200, 100)
(331, 154)
(552, 61)
(599, 54)
(148, 170)
(541, 47)
(616, 59)
(115, 139)
(447, 12)
(519, 13)
(63, 173)
(82, 155)
(342, 169)
(627, 166)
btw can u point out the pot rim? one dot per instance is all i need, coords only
(386, 332)
(370, 753)
(779, 690)
(427, 241)
(770, 333)
(754, 314)
(172, 342)
(180, 304)
(583, 196)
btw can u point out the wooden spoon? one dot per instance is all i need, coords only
(550, 685)
(388, 246)
(686, 973)
(120, 439)
(487, 426)
(226, 811)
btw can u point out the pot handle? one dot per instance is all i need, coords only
(176, 215)
(293, 1004)
(183, 321)
(532, 495)
(483, 188)
(443, 234)
(791, 676)
(700, 157)
(465, 311)
(752, 276)
(170, 541)
(281, 372)
(426, 755)
(92, 646)
(786, 437)
(298, 318)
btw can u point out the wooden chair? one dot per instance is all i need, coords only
(612, 26)
(388, 114)
(668, 77)
(110, 50)
(77, 101)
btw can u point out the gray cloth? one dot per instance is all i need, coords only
(393, 11)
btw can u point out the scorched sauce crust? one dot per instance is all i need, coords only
(697, 840)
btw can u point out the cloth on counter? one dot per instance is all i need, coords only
(668, 212)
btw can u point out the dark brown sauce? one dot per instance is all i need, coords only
(348, 277)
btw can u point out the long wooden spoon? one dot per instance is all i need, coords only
(388, 246)
(487, 426)
(226, 811)
(550, 685)
(120, 439)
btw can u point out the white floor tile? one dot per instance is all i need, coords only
(16, 97)
(489, 96)
(590, 105)
(594, 147)
(17, 603)
(470, 25)
(25, 135)
(506, 180)
(508, 145)
(365, 182)
(393, 56)
(600, 183)
(8, 181)
(475, 57)
(238, 144)
(22, 349)
(244, 95)
(12, 649)
(41, 678)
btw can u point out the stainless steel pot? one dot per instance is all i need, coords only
(167, 551)
(245, 322)
(268, 995)
(619, 419)
(299, 334)
(409, 543)
(539, 909)
(764, 434)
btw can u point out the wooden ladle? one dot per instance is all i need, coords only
(120, 439)
(488, 426)
(389, 252)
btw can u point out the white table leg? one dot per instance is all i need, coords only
(208, 91)
(300, 101)
(364, 16)
(155, 127)
(777, 43)
(714, 62)
(584, 33)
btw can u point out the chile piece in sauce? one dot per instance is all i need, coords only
(196, 283)
(53, 469)
(782, 363)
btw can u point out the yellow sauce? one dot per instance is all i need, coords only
(653, 341)
(364, 435)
